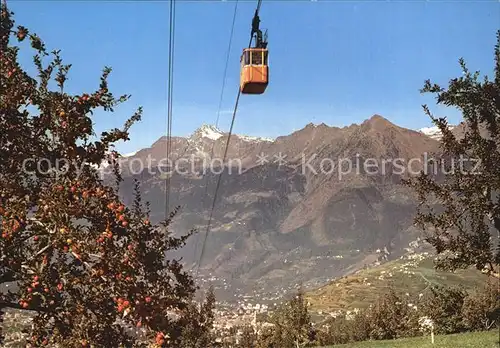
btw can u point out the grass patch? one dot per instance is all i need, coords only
(488, 339)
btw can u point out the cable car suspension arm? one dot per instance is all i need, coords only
(260, 40)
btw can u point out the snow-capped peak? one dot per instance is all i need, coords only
(130, 154)
(433, 132)
(254, 139)
(209, 131)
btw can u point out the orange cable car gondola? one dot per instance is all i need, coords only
(254, 75)
(254, 71)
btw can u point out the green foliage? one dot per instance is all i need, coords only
(297, 319)
(444, 307)
(481, 309)
(392, 317)
(88, 268)
(269, 337)
(248, 337)
(460, 209)
(292, 325)
(198, 323)
(340, 331)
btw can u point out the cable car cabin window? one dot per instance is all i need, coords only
(259, 57)
(246, 58)
(256, 58)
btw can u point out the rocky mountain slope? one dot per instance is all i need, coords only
(302, 208)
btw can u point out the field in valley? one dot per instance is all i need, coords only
(409, 275)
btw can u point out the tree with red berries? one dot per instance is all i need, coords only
(92, 271)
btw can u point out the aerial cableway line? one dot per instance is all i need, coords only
(170, 87)
(195, 254)
(253, 80)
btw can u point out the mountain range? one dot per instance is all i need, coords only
(303, 208)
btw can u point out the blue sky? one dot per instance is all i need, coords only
(337, 62)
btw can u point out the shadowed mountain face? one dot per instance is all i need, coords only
(302, 208)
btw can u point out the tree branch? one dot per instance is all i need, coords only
(13, 305)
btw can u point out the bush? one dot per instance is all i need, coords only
(198, 323)
(292, 326)
(340, 330)
(248, 337)
(444, 306)
(481, 309)
(359, 327)
(392, 317)
(268, 337)
(451, 310)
